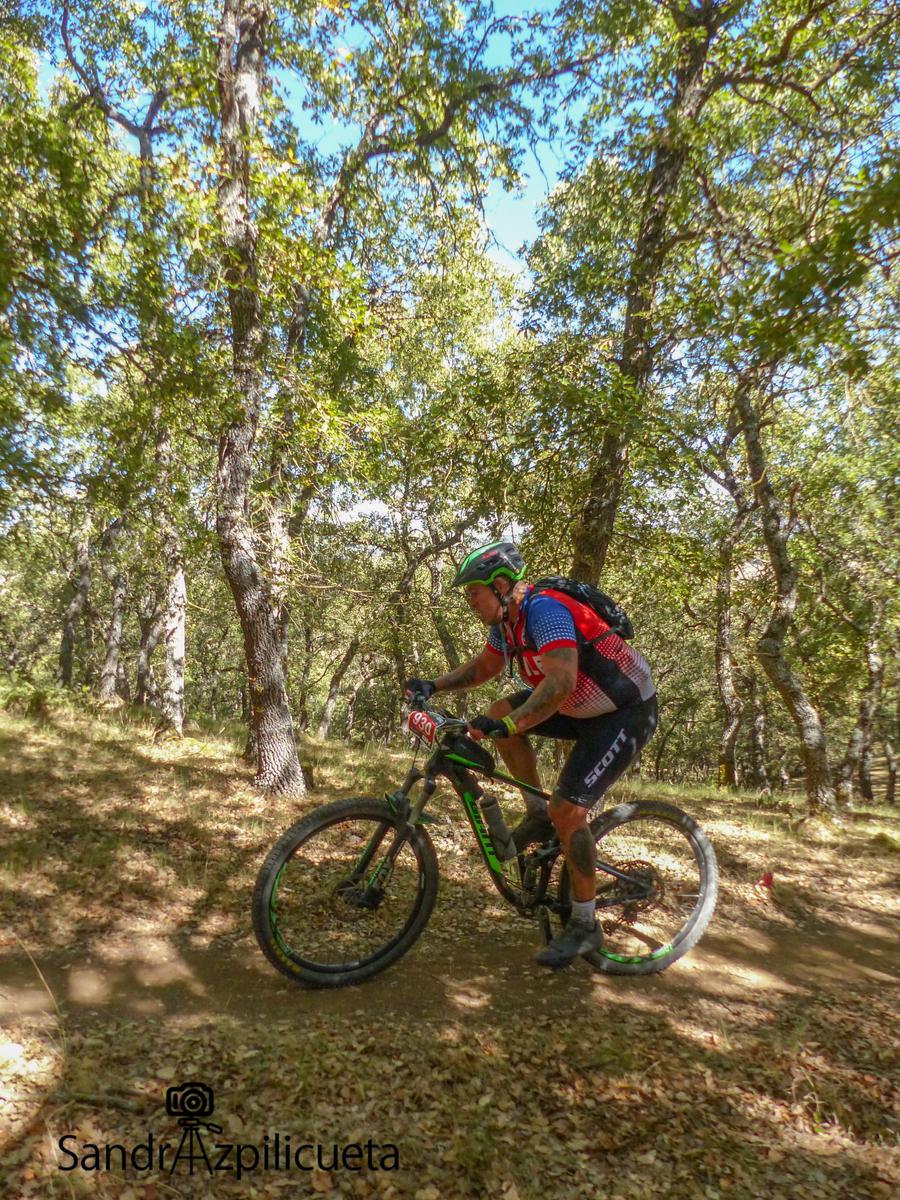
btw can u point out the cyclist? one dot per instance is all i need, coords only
(584, 684)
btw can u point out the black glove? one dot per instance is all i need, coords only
(419, 687)
(490, 727)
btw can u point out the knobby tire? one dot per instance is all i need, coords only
(657, 815)
(309, 855)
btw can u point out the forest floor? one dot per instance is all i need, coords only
(762, 1065)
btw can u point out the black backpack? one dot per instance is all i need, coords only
(585, 593)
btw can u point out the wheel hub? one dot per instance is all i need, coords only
(647, 882)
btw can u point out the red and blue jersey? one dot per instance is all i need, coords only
(611, 674)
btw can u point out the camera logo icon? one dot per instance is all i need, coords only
(190, 1102)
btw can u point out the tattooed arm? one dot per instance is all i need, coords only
(473, 673)
(560, 669)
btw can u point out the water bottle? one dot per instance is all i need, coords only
(504, 847)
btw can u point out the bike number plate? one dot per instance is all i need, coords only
(423, 727)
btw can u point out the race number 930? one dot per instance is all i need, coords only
(423, 727)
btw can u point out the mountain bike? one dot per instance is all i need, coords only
(348, 889)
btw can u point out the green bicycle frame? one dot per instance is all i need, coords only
(457, 769)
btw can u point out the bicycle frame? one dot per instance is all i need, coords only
(461, 773)
(650, 915)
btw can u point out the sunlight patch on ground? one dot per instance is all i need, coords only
(28, 1069)
(746, 832)
(468, 996)
(88, 986)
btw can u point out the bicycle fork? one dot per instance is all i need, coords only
(410, 815)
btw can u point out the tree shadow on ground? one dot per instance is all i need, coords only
(758, 1065)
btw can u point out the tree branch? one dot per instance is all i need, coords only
(143, 130)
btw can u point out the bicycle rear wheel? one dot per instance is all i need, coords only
(662, 909)
(328, 910)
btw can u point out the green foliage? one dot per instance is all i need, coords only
(415, 401)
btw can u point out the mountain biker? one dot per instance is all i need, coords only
(584, 684)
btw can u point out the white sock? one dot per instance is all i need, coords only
(583, 910)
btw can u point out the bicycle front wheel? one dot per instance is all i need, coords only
(329, 908)
(662, 899)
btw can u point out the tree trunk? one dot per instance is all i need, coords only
(240, 74)
(123, 687)
(864, 775)
(444, 635)
(109, 671)
(91, 637)
(114, 574)
(594, 530)
(150, 621)
(278, 549)
(174, 618)
(784, 775)
(861, 734)
(731, 701)
(759, 778)
(250, 752)
(890, 753)
(662, 742)
(334, 688)
(171, 699)
(351, 708)
(770, 648)
(81, 582)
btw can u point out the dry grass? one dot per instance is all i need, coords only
(764, 1064)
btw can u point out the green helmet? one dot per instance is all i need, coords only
(487, 562)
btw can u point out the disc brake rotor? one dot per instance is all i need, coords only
(650, 884)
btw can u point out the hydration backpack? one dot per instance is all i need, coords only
(585, 593)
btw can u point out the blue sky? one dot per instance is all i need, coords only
(511, 217)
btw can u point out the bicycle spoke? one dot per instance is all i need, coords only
(642, 917)
(324, 909)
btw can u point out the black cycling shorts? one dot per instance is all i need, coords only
(604, 746)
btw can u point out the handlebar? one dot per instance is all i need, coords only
(443, 720)
(418, 703)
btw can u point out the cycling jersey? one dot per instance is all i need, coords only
(611, 674)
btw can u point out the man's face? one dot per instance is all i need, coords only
(482, 601)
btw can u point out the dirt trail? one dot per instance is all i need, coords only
(175, 976)
(763, 1063)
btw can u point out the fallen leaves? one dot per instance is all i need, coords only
(549, 1088)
